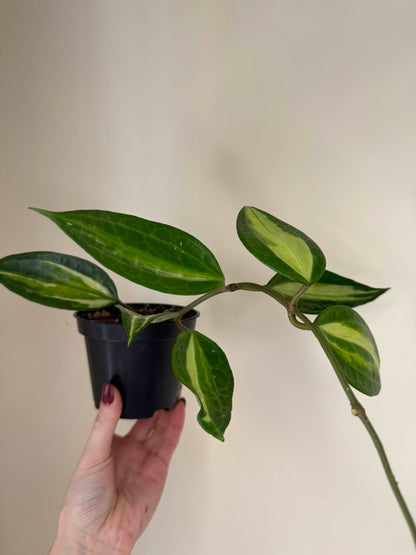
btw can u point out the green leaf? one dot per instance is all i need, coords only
(152, 254)
(280, 246)
(202, 366)
(57, 280)
(331, 289)
(134, 322)
(353, 345)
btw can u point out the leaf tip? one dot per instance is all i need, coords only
(216, 434)
(380, 291)
(246, 209)
(39, 210)
(242, 212)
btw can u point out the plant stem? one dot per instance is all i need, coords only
(199, 300)
(243, 286)
(291, 311)
(356, 408)
(124, 305)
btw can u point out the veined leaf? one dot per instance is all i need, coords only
(57, 280)
(134, 322)
(201, 365)
(353, 345)
(331, 289)
(152, 254)
(280, 246)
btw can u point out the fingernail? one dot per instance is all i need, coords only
(107, 395)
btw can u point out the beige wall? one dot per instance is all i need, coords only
(183, 112)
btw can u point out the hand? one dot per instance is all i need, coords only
(118, 481)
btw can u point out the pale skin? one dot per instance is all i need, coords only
(118, 481)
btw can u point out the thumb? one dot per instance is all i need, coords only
(98, 447)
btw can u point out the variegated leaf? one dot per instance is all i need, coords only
(354, 347)
(134, 322)
(331, 289)
(201, 365)
(280, 246)
(57, 280)
(152, 254)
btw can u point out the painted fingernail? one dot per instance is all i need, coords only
(107, 395)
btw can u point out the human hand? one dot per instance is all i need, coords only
(118, 481)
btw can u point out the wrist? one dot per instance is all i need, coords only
(71, 542)
(67, 545)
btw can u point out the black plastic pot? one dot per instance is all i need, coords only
(143, 371)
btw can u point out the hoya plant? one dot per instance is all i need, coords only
(167, 259)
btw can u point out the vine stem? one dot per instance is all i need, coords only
(358, 410)
(299, 320)
(291, 309)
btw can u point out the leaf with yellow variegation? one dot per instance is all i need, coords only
(57, 280)
(201, 365)
(280, 246)
(354, 347)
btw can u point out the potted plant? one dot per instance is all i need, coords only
(141, 370)
(166, 259)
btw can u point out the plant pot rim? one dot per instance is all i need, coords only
(114, 331)
(80, 314)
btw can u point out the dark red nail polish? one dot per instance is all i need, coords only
(107, 395)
